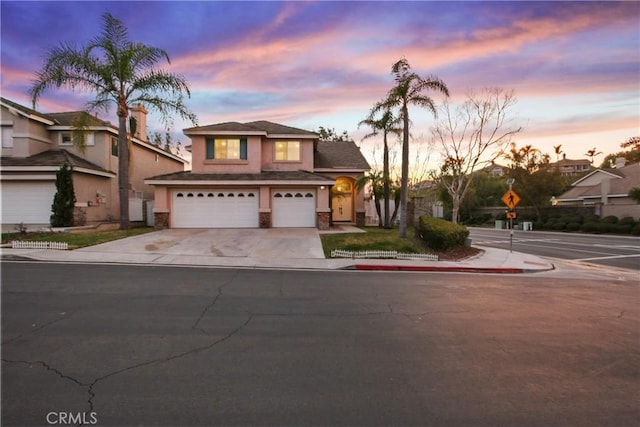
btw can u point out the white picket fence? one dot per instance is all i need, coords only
(25, 244)
(340, 253)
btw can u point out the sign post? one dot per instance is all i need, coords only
(511, 199)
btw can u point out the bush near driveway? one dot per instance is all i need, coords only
(441, 235)
(374, 239)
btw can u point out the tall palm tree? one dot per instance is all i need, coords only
(409, 90)
(558, 150)
(593, 153)
(121, 72)
(386, 124)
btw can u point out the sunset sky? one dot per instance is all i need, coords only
(574, 66)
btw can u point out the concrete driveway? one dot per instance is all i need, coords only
(238, 242)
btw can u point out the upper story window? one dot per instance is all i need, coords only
(7, 136)
(287, 151)
(230, 149)
(114, 146)
(66, 139)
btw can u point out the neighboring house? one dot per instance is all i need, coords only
(495, 169)
(568, 167)
(36, 145)
(261, 174)
(607, 190)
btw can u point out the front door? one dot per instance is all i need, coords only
(342, 200)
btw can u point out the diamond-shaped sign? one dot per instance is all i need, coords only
(511, 199)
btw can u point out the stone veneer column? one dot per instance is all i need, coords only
(265, 219)
(161, 220)
(360, 219)
(323, 220)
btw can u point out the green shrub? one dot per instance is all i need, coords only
(635, 231)
(627, 220)
(591, 218)
(439, 234)
(573, 226)
(611, 219)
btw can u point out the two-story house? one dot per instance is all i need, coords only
(34, 147)
(261, 174)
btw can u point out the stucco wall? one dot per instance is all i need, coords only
(305, 162)
(200, 163)
(97, 195)
(29, 137)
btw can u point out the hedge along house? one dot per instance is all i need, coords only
(35, 145)
(261, 174)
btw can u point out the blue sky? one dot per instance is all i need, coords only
(574, 66)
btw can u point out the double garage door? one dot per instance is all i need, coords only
(240, 208)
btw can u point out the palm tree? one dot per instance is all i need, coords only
(374, 179)
(118, 71)
(558, 150)
(592, 153)
(409, 90)
(386, 124)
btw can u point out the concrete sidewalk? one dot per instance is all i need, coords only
(491, 260)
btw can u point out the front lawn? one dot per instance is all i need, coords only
(76, 240)
(374, 239)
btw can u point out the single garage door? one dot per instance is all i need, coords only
(27, 201)
(294, 208)
(215, 208)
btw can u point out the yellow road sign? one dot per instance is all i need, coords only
(511, 215)
(511, 199)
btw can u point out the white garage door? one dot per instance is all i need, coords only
(27, 202)
(294, 208)
(215, 208)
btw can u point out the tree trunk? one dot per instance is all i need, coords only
(455, 212)
(123, 168)
(385, 177)
(404, 179)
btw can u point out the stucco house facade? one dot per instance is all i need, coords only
(607, 190)
(261, 174)
(34, 147)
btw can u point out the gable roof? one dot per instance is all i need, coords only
(273, 177)
(30, 113)
(261, 127)
(51, 160)
(67, 119)
(621, 181)
(343, 155)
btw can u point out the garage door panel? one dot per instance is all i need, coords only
(28, 202)
(215, 208)
(294, 208)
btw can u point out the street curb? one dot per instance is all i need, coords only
(451, 269)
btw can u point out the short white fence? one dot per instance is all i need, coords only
(340, 253)
(25, 244)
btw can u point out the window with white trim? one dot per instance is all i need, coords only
(287, 151)
(66, 139)
(7, 136)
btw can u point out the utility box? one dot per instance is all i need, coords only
(527, 226)
(499, 224)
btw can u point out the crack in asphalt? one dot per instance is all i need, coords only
(34, 330)
(208, 307)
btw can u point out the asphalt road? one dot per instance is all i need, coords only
(599, 249)
(127, 345)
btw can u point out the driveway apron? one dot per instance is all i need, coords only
(238, 242)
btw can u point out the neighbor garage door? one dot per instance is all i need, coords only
(215, 208)
(294, 208)
(27, 202)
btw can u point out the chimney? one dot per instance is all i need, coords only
(139, 113)
(620, 162)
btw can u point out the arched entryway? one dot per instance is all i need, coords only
(342, 197)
